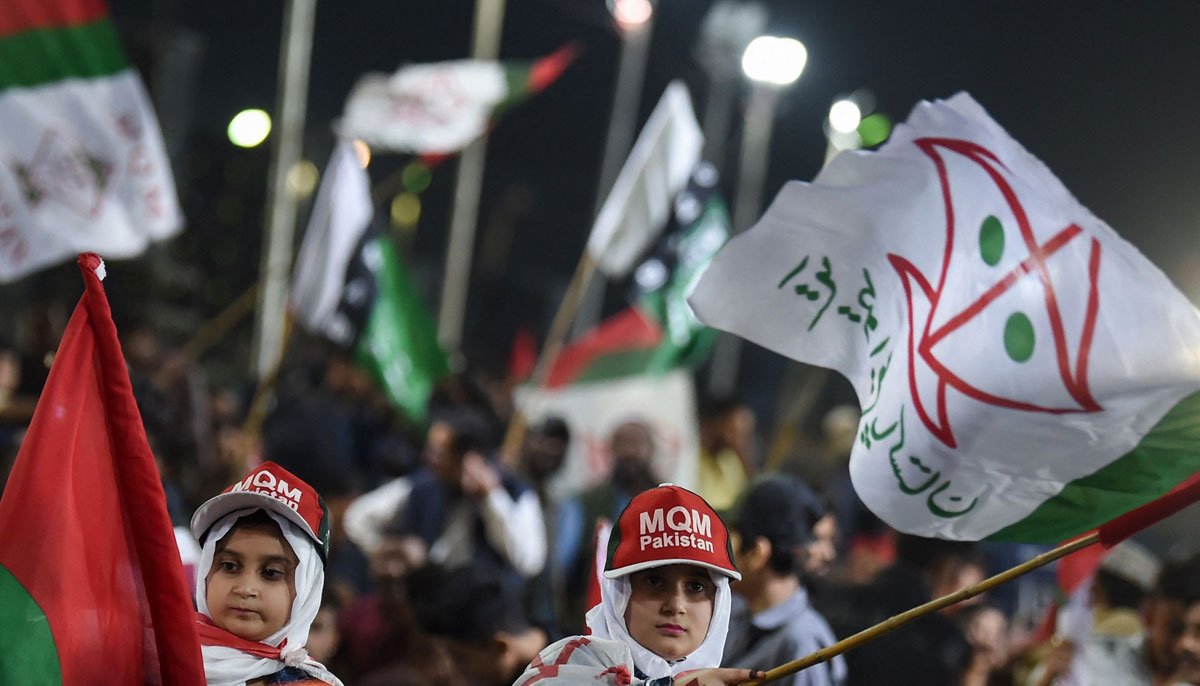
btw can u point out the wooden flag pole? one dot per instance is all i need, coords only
(215, 329)
(903, 618)
(567, 309)
(1110, 534)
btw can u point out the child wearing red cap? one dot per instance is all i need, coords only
(259, 580)
(664, 607)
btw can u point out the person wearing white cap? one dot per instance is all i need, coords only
(259, 580)
(664, 608)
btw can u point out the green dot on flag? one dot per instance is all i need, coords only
(1018, 337)
(991, 240)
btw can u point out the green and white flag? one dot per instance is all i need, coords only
(1024, 373)
(350, 285)
(82, 165)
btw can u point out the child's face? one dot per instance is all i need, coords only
(670, 609)
(252, 583)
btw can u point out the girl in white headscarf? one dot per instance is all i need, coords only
(664, 607)
(259, 581)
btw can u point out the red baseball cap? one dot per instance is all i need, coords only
(669, 525)
(273, 488)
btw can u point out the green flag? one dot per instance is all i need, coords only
(350, 286)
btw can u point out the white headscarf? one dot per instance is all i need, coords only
(607, 620)
(224, 666)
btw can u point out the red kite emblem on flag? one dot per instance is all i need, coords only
(1043, 270)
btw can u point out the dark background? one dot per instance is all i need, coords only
(1104, 92)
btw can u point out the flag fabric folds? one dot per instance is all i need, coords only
(91, 585)
(441, 107)
(83, 164)
(351, 286)
(659, 332)
(663, 158)
(1024, 373)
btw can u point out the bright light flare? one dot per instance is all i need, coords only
(302, 179)
(844, 116)
(631, 13)
(405, 210)
(248, 128)
(774, 60)
(363, 152)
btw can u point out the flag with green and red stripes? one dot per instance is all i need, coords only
(439, 108)
(91, 583)
(658, 333)
(82, 164)
(1024, 373)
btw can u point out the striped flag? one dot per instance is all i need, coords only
(637, 362)
(82, 165)
(91, 584)
(1024, 373)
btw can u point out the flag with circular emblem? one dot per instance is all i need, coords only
(1024, 373)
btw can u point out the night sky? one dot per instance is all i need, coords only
(1106, 93)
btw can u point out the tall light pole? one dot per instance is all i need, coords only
(468, 187)
(771, 63)
(841, 127)
(727, 29)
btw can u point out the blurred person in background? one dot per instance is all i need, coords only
(480, 620)
(380, 632)
(465, 507)
(1163, 612)
(543, 451)
(726, 460)
(324, 637)
(632, 448)
(782, 534)
(929, 651)
(986, 629)
(1187, 645)
(1100, 640)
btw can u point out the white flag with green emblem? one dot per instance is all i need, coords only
(82, 165)
(1024, 373)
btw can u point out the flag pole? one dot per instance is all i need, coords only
(872, 633)
(559, 328)
(1108, 535)
(218, 327)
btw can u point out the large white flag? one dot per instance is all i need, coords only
(1024, 373)
(82, 165)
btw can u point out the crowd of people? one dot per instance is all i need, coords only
(452, 561)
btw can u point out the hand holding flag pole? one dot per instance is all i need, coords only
(1107, 535)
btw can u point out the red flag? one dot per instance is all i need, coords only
(600, 556)
(91, 585)
(522, 357)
